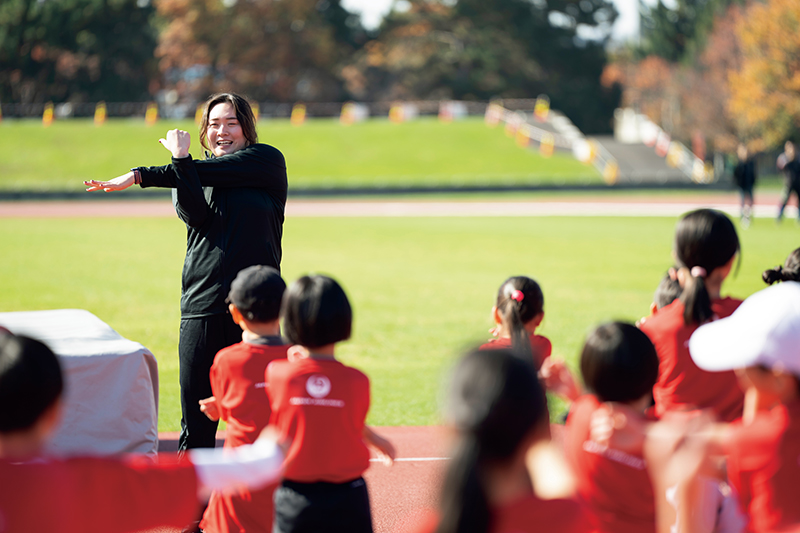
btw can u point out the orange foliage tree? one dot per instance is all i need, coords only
(765, 90)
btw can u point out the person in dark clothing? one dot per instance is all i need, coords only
(233, 206)
(788, 163)
(744, 175)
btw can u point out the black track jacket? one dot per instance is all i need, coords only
(233, 207)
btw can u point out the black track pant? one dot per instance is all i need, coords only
(322, 507)
(200, 340)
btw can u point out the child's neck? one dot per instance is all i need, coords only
(254, 330)
(322, 353)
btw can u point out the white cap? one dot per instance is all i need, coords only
(764, 330)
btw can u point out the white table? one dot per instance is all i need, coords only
(111, 383)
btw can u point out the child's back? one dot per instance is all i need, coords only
(681, 384)
(237, 381)
(619, 364)
(321, 405)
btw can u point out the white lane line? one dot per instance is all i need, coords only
(412, 459)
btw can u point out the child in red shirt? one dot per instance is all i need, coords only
(502, 476)
(237, 381)
(94, 494)
(321, 405)
(619, 364)
(518, 311)
(761, 340)
(706, 245)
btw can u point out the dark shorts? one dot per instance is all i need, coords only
(322, 507)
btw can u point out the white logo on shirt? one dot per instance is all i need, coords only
(318, 386)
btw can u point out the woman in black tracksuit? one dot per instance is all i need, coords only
(233, 206)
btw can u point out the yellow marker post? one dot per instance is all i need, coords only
(151, 115)
(611, 172)
(396, 114)
(548, 145)
(542, 108)
(48, 115)
(298, 114)
(100, 114)
(254, 107)
(523, 137)
(347, 115)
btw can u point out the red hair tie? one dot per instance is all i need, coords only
(517, 295)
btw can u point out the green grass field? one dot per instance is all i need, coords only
(321, 153)
(421, 288)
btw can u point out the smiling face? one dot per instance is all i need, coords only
(224, 134)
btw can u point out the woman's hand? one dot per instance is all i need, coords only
(117, 184)
(177, 142)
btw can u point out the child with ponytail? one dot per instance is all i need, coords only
(518, 311)
(494, 481)
(706, 245)
(790, 271)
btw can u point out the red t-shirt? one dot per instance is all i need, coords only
(615, 485)
(237, 382)
(764, 467)
(321, 405)
(87, 495)
(681, 384)
(541, 347)
(526, 515)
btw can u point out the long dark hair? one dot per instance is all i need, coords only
(790, 271)
(494, 402)
(244, 114)
(519, 300)
(704, 238)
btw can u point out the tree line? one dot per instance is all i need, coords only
(315, 50)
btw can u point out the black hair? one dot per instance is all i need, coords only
(519, 300)
(790, 271)
(668, 290)
(494, 402)
(316, 312)
(30, 381)
(705, 238)
(619, 363)
(244, 114)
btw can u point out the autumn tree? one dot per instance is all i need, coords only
(765, 90)
(269, 50)
(479, 50)
(75, 50)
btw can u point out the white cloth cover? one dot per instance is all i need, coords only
(111, 398)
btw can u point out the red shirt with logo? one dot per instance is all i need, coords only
(237, 382)
(681, 384)
(541, 347)
(615, 485)
(321, 405)
(102, 495)
(764, 467)
(525, 515)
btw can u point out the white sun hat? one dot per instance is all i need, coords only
(764, 330)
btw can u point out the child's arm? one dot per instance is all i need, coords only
(210, 407)
(384, 448)
(559, 380)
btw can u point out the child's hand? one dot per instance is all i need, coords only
(558, 379)
(210, 407)
(618, 426)
(383, 448)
